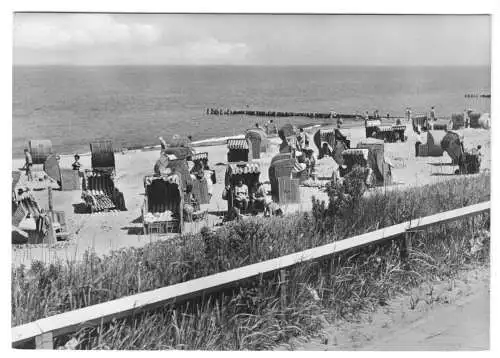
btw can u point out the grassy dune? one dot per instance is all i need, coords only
(254, 317)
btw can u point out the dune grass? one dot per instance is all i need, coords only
(254, 316)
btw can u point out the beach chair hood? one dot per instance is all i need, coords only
(178, 141)
(285, 131)
(164, 192)
(243, 168)
(376, 158)
(452, 143)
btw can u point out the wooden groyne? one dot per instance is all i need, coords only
(281, 114)
(477, 95)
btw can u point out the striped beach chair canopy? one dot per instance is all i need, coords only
(199, 156)
(385, 128)
(357, 152)
(243, 168)
(373, 123)
(171, 179)
(237, 144)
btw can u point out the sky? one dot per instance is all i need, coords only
(210, 39)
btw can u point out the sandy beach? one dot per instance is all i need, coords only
(104, 232)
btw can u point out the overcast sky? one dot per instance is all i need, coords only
(102, 39)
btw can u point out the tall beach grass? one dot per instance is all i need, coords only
(254, 316)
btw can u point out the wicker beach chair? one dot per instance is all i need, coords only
(376, 160)
(40, 150)
(162, 210)
(103, 156)
(239, 150)
(259, 141)
(248, 173)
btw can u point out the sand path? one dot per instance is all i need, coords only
(454, 315)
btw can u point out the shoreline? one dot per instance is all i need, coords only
(209, 142)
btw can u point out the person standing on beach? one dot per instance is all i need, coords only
(339, 122)
(408, 113)
(433, 114)
(272, 127)
(76, 164)
(28, 164)
(466, 118)
(367, 118)
(163, 144)
(301, 139)
(419, 139)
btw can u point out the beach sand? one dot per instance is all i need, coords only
(103, 232)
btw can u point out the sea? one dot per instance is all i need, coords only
(133, 105)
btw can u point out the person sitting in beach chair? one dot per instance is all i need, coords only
(76, 164)
(259, 196)
(241, 197)
(197, 171)
(191, 204)
(310, 160)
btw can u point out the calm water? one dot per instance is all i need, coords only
(133, 105)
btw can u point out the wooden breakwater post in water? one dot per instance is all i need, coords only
(276, 114)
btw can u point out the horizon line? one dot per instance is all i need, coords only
(243, 65)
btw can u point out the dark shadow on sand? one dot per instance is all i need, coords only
(443, 174)
(217, 213)
(133, 230)
(442, 164)
(80, 208)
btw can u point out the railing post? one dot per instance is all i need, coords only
(44, 341)
(404, 248)
(283, 288)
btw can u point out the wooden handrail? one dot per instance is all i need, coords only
(44, 329)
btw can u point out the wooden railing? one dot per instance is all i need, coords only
(44, 330)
